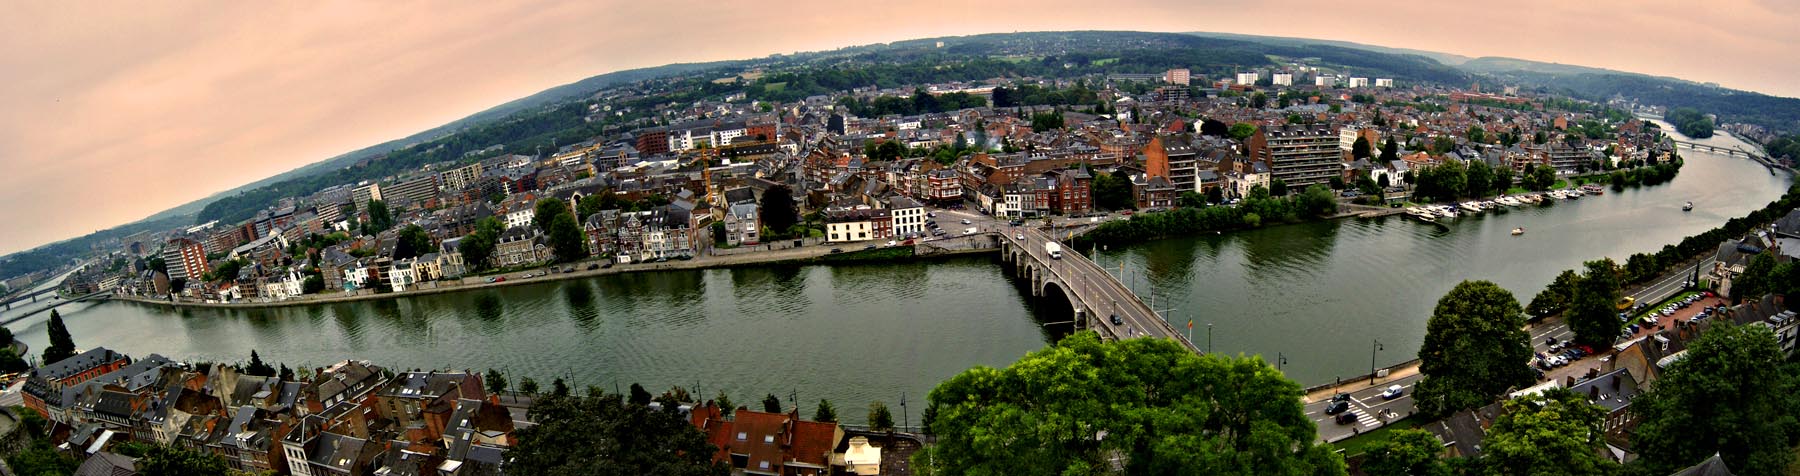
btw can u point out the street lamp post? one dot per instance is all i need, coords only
(1280, 360)
(1209, 348)
(1372, 351)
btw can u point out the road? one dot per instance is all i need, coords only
(1368, 407)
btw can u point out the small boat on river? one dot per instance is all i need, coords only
(1518, 231)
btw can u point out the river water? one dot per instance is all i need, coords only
(1317, 293)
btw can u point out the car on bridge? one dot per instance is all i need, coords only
(1116, 321)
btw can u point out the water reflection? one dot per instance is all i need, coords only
(580, 298)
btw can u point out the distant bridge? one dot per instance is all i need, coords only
(31, 296)
(1095, 295)
(97, 295)
(1765, 160)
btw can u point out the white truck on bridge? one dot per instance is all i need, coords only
(1054, 249)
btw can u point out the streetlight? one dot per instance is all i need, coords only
(1209, 348)
(1280, 360)
(1372, 351)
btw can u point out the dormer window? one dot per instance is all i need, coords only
(743, 436)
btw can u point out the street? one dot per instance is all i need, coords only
(1368, 406)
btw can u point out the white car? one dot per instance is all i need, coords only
(1393, 392)
(966, 221)
(891, 243)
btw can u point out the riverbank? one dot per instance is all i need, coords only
(803, 256)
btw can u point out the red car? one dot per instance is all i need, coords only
(1126, 213)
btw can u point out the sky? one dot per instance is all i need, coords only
(113, 111)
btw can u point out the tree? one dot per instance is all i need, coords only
(496, 383)
(528, 386)
(1360, 149)
(163, 460)
(1503, 179)
(379, 218)
(1337, 182)
(257, 367)
(1215, 195)
(601, 434)
(1754, 281)
(591, 204)
(1278, 188)
(718, 233)
(1113, 192)
(1477, 134)
(1190, 199)
(559, 388)
(639, 396)
(1545, 176)
(771, 404)
(825, 413)
(1047, 121)
(413, 242)
(62, 346)
(545, 210)
(1408, 452)
(1475, 349)
(1157, 405)
(1214, 128)
(11, 362)
(1690, 122)
(1390, 151)
(778, 211)
(567, 241)
(1259, 100)
(725, 406)
(880, 419)
(1242, 130)
(1383, 182)
(1593, 313)
(1480, 179)
(1555, 433)
(285, 374)
(1555, 298)
(1317, 201)
(1730, 396)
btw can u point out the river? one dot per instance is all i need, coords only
(1322, 294)
(1318, 293)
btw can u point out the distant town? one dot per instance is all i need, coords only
(687, 180)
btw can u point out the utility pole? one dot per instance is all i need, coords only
(1209, 347)
(1280, 360)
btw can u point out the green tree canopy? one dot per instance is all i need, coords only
(778, 212)
(496, 382)
(1162, 408)
(1408, 452)
(1361, 149)
(1554, 298)
(62, 346)
(600, 434)
(257, 367)
(826, 412)
(413, 242)
(880, 419)
(380, 219)
(1475, 349)
(1242, 130)
(1557, 433)
(478, 247)
(771, 404)
(162, 460)
(1593, 305)
(1730, 396)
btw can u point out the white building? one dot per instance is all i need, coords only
(1359, 83)
(908, 215)
(1247, 78)
(1347, 138)
(1322, 81)
(402, 275)
(1384, 82)
(1282, 79)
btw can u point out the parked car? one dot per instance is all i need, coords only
(869, 247)
(593, 266)
(892, 243)
(837, 250)
(607, 265)
(1393, 392)
(497, 279)
(965, 221)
